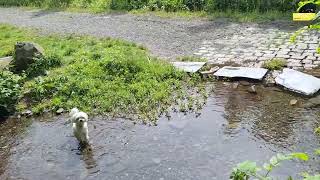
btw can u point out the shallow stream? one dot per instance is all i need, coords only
(233, 126)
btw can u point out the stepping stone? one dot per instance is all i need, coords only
(191, 67)
(298, 82)
(241, 72)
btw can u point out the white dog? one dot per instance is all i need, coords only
(79, 121)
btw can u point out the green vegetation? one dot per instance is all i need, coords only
(97, 76)
(275, 64)
(191, 59)
(297, 33)
(10, 87)
(167, 5)
(249, 170)
(241, 9)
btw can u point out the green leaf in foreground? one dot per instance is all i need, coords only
(301, 156)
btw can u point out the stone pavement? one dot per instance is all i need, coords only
(251, 47)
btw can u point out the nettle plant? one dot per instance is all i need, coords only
(250, 170)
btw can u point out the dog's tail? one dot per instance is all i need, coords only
(73, 111)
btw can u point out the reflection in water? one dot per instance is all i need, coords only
(234, 126)
(88, 158)
(268, 114)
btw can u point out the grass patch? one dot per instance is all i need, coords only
(178, 14)
(250, 16)
(98, 76)
(275, 64)
(191, 59)
(236, 16)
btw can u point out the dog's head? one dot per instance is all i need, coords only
(80, 118)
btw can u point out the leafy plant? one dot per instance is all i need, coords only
(191, 59)
(10, 87)
(275, 64)
(317, 130)
(248, 169)
(41, 65)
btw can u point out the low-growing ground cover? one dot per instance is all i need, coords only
(97, 75)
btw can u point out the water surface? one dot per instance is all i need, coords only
(233, 126)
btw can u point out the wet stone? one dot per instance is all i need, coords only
(298, 82)
(235, 85)
(27, 113)
(60, 111)
(313, 102)
(252, 89)
(293, 102)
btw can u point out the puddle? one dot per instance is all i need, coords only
(234, 126)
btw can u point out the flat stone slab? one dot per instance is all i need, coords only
(191, 67)
(5, 61)
(298, 82)
(241, 72)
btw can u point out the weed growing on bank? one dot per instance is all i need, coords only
(275, 64)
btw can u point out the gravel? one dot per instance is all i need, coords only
(166, 38)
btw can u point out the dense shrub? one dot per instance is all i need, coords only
(208, 5)
(168, 5)
(9, 92)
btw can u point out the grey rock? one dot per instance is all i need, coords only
(24, 55)
(298, 82)
(313, 102)
(235, 85)
(293, 102)
(27, 113)
(60, 111)
(252, 89)
(245, 83)
(270, 77)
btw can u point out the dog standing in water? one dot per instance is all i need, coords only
(79, 121)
